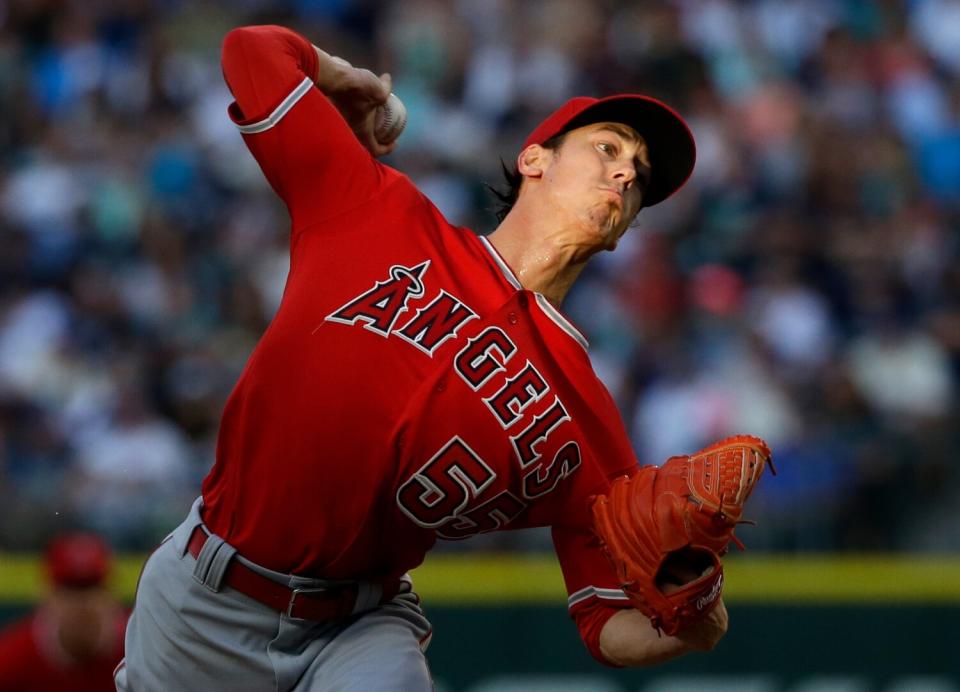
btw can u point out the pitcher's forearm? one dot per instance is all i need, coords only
(627, 639)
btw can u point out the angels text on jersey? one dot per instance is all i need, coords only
(445, 493)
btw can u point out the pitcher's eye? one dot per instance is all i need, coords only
(607, 148)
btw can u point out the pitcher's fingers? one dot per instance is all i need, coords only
(389, 148)
(370, 143)
(379, 149)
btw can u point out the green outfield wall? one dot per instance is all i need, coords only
(798, 623)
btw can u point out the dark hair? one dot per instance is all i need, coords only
(513, 179)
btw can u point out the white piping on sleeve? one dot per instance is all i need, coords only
(591, 591)
(277, 115)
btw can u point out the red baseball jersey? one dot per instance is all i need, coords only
(408, 387)
(33, 660)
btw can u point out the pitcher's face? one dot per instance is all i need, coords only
(598, 176)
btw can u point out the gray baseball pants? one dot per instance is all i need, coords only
(190, 632)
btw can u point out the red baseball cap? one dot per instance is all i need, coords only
(670, 142)
(78, 560)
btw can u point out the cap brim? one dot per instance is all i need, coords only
(669, 141)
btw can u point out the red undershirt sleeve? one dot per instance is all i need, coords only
(305, 148)
(594, 596)
(590, 616)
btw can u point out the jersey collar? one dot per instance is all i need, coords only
(548, 309)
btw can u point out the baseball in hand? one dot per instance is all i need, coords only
(389, 120)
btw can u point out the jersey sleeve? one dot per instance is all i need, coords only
(593, 593)
(305, 148)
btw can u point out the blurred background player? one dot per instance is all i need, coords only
(74, 638)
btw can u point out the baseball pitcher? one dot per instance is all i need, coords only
(420, 382)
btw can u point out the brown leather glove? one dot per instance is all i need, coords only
(667, 523)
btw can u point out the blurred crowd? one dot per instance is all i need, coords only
(804, 286)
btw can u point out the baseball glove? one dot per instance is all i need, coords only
(665, 528)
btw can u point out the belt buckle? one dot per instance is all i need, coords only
(302, 590)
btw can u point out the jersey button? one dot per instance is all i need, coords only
(512, 317)
(441, 385)
(522, 300)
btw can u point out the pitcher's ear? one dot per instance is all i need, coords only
(530, 161)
